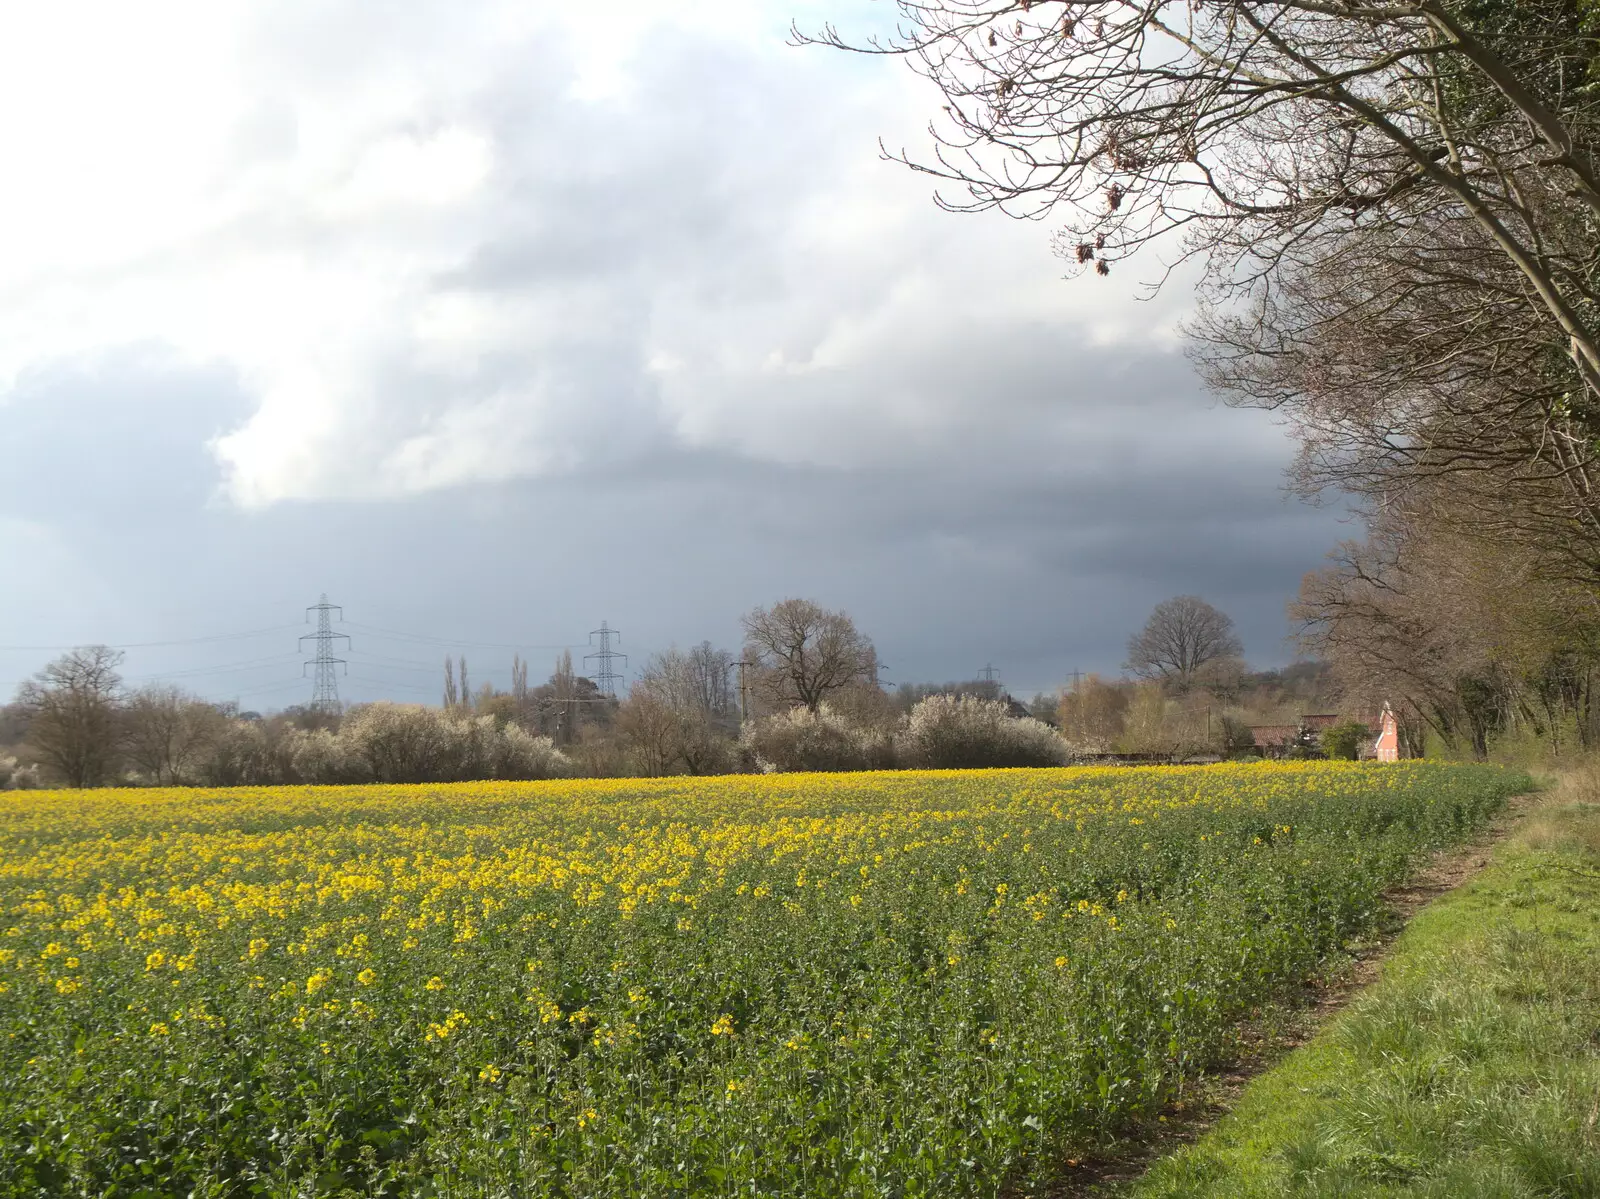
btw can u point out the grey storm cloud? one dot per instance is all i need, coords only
(489, 352)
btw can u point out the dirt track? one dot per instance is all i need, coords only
(1266, 1043)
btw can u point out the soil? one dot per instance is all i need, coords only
(1265, 1042)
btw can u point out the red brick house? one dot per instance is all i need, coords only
(1276, 740)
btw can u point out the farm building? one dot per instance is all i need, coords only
(1278, 740)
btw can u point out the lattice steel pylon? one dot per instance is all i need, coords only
(607, 677)
(325, 682)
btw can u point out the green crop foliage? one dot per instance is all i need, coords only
(1470, 1070)
(884, 984)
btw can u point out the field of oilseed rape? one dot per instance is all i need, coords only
(912, 983)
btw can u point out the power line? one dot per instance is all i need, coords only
(325, 685)
(420, 639)
(417, 663)
(607, 677)
(327, 665)
(268, 688)
(365, 662)
(152, 644)
(390, 683)
(226, 668)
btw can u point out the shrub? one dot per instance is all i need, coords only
(401, 743)
(519, 754)
(1345, 739)
(248, 753)
(323, 756)
(801, 739)
(407, 743)
(945, 731)
(14, 776)
(383, 743)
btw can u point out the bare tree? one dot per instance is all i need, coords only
(1266, 129)
(1091, 713)
(804, 653)
(711, 680)
(694, 681)
(167, 731)
(1404, 357)
(652, 732)
(74, 707)
(1183, 635)
(1463, 637)
(13, 724)
(452, 692)
(1147, 721)
(680, 712)
(908, 695)
(563, 700)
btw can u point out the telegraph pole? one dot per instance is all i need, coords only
(325, 682)
(607, 677)
(744, 703)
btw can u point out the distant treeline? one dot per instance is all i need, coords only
(802, 695)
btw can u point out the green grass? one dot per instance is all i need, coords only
(1472, 1069)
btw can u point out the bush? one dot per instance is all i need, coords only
(323, 756)
(801, 739)
(248, 753)
(519, 754)
(381, 743)
(14, 776)
(1344, 740)
(407, 743)
(400, 743)
(946, 732)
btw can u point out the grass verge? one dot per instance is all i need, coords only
(1472, 1068)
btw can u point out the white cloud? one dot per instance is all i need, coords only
(445, 242)
(406, 170)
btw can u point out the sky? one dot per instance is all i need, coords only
(493, 320)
